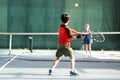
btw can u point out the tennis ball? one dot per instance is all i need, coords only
(76, 4)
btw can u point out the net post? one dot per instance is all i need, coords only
(10, 44)
(30, 43)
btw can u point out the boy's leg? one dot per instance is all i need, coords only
(55, 62)
(51, 71)
(72, 62)
(72, 65)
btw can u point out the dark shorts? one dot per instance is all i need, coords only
(64, 50)
(87, 40)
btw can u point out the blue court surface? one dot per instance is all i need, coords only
(23, 65)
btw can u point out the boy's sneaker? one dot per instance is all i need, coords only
(51, 72)
(74, 73)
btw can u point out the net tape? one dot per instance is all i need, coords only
(51, 33)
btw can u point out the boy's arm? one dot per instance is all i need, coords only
(74, 31)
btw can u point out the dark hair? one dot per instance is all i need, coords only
(65, 18)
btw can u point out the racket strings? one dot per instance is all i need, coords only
(99, 37)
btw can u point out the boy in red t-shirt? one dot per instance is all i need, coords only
(65, 35)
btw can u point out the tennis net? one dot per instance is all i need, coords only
(36, 41)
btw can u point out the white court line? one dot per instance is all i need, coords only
(8, 62)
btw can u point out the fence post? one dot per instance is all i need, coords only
(10, 44)
(30, 43)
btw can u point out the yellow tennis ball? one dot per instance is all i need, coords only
(76, 4)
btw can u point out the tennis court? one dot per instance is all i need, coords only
(35, 66)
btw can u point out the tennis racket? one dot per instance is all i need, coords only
(98, 37)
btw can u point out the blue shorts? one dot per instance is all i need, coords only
(87, 40)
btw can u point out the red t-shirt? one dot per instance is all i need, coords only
(64, 38)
